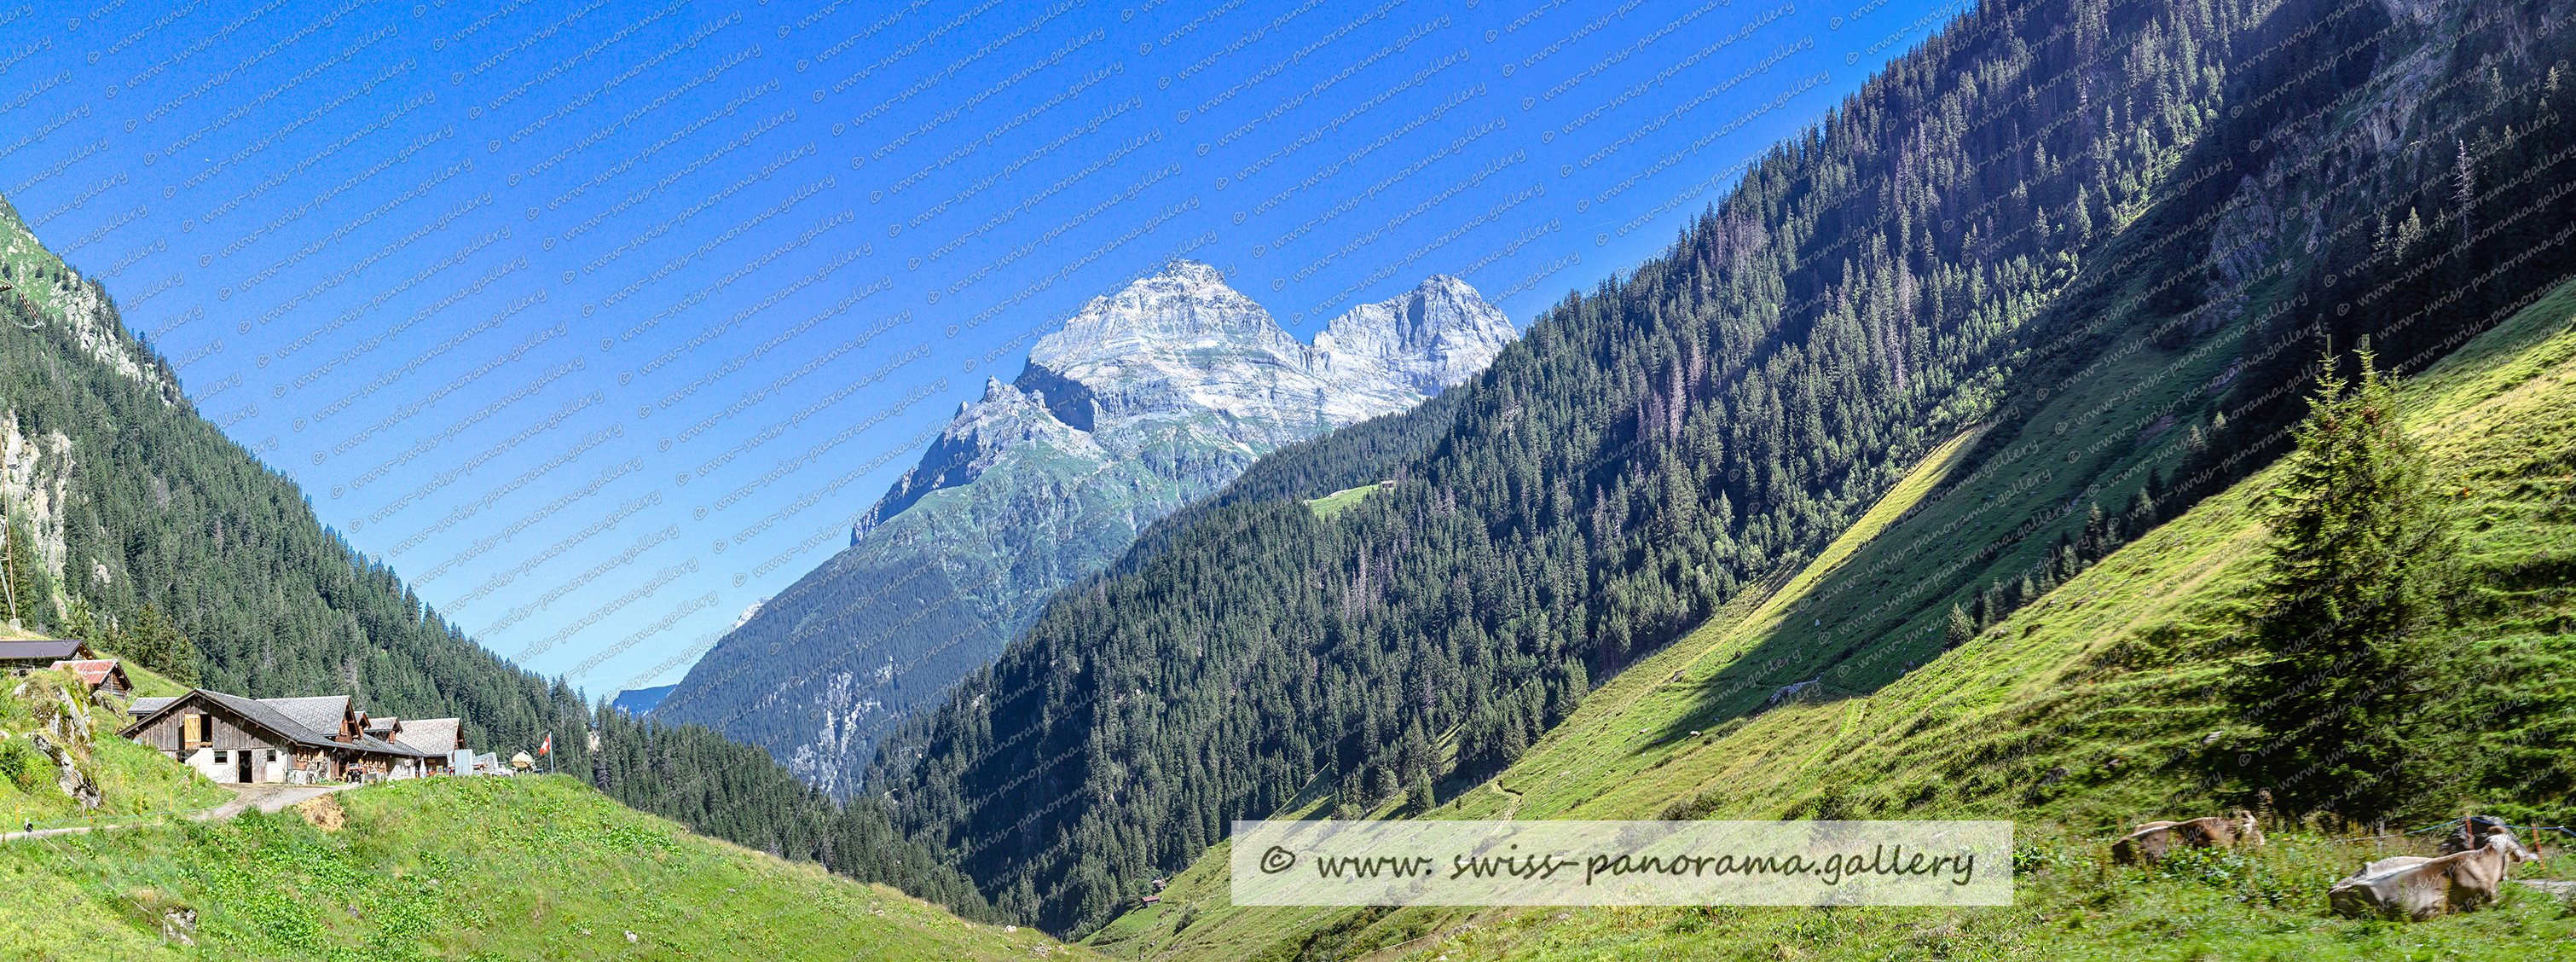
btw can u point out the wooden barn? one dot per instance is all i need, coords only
(103, 675)
(233, 739)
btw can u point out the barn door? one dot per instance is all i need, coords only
(242, 759)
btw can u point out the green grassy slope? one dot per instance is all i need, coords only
(451, 868)
(2109, 677)
(1339, 501)
(462, 869)
(131, 779)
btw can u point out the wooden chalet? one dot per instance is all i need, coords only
(43, 652)
(102, 675)
(239, 740)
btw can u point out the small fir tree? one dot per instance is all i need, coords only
(2358, 559)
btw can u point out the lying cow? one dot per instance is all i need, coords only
(2415, 888)
(2152, 841)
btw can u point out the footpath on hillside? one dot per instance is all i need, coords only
(267, 798)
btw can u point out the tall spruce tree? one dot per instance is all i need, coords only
(2359, 555)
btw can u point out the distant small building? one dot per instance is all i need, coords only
(104, 675)
(43, 652)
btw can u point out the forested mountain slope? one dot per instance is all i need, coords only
(2084, 240)
(152, 522)
(1149, 399)
(2105, 702)
(166, 542)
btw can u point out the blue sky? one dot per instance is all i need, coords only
(600, 321)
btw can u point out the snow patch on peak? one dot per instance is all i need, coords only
(1186, 306)
(1426, 340)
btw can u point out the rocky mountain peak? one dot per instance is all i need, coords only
(1436, 335)
(1185, 307)
(1180, 347)
(1006, 417)
(1150, 398)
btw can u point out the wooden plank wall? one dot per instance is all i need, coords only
(225, 730)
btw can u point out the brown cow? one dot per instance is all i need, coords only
(2415, 888)
(2152, 841)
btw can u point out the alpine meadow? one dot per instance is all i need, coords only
(937, 479)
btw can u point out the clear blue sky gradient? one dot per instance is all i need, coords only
(601, 321)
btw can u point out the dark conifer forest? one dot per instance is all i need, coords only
(1986, 219)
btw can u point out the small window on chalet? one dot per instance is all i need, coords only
(220, 757)
(272, 755)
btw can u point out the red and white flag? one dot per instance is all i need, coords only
(548, 746)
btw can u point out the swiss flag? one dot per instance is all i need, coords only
(548, 746)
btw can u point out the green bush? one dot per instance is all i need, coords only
(25, 766)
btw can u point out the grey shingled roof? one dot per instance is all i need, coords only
(373, 744)
(49, 648)
(435, 735)
(267, 716)
(320, 713)
(146, 706)
(274, 714)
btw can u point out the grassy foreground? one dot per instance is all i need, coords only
(459, 868)
(2093, 708)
